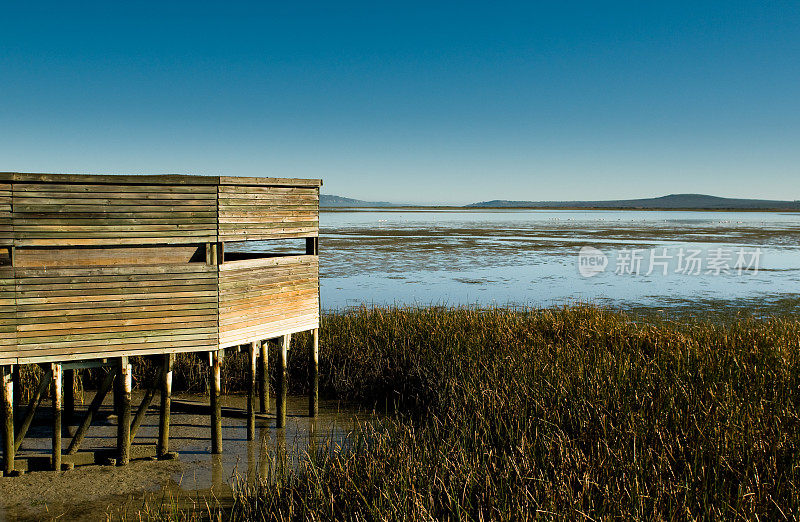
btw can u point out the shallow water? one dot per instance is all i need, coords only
(530, 257)
(89, 492)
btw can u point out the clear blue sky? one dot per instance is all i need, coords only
(403, 101)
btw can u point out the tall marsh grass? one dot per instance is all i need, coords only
(564, 413)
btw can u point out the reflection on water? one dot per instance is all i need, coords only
(190, 437)
(529, 257)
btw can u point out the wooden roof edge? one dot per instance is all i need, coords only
(156, 179)
(285, 182)
(128, 179)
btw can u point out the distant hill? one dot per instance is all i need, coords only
(329, 200)
(673, 201)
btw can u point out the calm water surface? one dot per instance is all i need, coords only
(530, 257)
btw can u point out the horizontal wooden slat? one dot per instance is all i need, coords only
(115, 344)
(260, 298)
(112, 241)
(268, 331)
(293, 182)
(119, 313)
(194, 268)
(250, 212)
(114, 265)
(247, 264)
(114, 179)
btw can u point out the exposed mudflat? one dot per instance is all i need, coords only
(97, 492)
(530, 257)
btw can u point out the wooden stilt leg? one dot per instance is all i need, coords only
(166, 403)
(116, 395)
(251, 393)
(313, 386)
(7, 411)
(69, 396)
(216, 472)
(264, 382)
(216, 407)
(124, 418)
(32, 405)
(282, 380)
(16, 381)
(142, 411)
(57, 411)
(93, 408)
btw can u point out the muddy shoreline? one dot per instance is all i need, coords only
(97, 492)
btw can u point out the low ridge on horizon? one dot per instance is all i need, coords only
(671, 201)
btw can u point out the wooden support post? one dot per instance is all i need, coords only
(69, 396)
(216, 472)
(216, 407)
(32, 405)
(57, 410)
(251, 392)
(282, 380)
(94, 407)
(124, 419)
(115, 396)
(313, 386)
(264, 382)
(166, 403)
(17, 382)
(7, 411)
(142, 411)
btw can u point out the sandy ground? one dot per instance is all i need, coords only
(101, 492)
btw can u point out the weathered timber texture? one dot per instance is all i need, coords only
(267, 212)
(282, 380)
(87, 312)
(69, 214)
(113, 266)
(8, 318)
(267, 298)
(6, 229)
(251, 390)
(215, 390)
(166, 402)
(7, 418)
(124, 377)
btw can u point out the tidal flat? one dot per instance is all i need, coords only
(530, 258)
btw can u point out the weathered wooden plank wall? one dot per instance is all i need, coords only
(266, 298)
(7, 305)
(258, 211)
(107, 266)
(8, 326)
(73, 214)
(82, 313)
